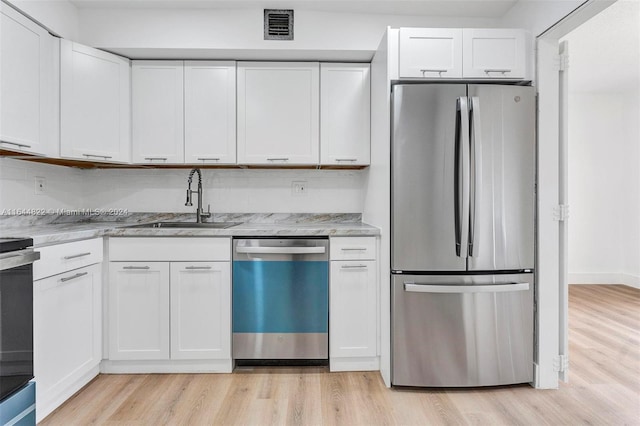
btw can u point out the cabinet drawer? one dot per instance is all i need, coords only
(65, 257)
(352, 248)
(169, 249)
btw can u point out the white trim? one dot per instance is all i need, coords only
(166, 366)
(45, 404)
(548, 239)
(370, 363)
(582, 278)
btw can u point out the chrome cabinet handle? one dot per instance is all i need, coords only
(136, 267)
(353, 249)
(74, 256)
(439, 71)
(73, 277)
(19, 145)
(197, 267)
(208, 159)
(501, 71)
(346, 159)
(155, 158)
(353, 267)
(97, 156)
(277, 159)
(414, 287)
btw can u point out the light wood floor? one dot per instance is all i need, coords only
(604, 387)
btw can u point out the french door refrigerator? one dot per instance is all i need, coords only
(462, 234)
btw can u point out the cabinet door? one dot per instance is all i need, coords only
(278, 113)
(210, 112)
(200, 310)
(27, 85)
(67, 330)
(95, 104)
(138, 310)
(432, 53)
(345, 114)
(353, 324)
(494, 53)
(157, 89)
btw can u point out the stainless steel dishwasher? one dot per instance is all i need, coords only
(280, 299)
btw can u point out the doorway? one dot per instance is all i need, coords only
(552, 315)
(604, 147)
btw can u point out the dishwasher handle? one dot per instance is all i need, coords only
(413, 287)
(281, 250)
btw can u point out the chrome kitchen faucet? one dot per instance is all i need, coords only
(199, 212)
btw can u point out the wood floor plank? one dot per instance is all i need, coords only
(603, 388)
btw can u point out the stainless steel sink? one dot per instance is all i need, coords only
(204, 225)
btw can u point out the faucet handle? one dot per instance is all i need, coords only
(208, 212)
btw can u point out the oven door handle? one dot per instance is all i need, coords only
(281, 250)
(18, 258)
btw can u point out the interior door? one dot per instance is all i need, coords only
(502, 205)
(423, 163)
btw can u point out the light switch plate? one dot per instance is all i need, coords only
(40, 185)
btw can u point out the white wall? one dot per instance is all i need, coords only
(234, 29)
(64, 186)
(228, 191)
(58, 16)
(164, 190)
(604, 188)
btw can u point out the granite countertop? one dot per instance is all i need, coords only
(46, 231)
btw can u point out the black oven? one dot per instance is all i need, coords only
(16, 313)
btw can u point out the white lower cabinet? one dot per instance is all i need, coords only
(139, 310)
(200, 310)
(67, 326)
(165, 315)
(353, 306)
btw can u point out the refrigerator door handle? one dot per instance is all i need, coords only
(461, 177)
(413, 287)
(476, 169)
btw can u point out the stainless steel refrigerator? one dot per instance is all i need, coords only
(462, 243)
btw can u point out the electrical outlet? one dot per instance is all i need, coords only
(299, 188)
(41, 185)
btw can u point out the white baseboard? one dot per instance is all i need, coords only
(371, 363)
(168, 366)
(605, 278)
(59, 393)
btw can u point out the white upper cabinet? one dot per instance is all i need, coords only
(430, 53)
(210, 112)
(28, 85)
(454, 53)
(345, 114)
(157, 111)
(494, 53)
(278, 118)
(184, 112)
(95, 104)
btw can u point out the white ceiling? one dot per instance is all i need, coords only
(604, 52)
(465, 8)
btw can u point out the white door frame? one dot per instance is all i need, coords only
(551, 303)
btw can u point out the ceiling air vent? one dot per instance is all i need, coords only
(278, 24)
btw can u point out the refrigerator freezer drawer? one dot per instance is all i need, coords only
(460, 331)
